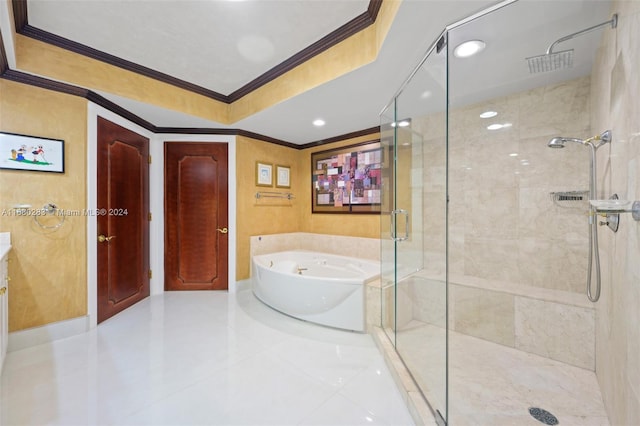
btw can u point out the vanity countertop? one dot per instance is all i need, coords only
(5, 244)
(4, 249)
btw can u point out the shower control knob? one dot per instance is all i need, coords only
(603, 223)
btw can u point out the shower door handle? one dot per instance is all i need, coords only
(394, 222)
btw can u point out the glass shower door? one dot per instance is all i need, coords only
(413, 234)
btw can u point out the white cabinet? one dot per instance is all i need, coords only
(4, 308)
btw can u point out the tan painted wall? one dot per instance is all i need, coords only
(47, 269)
(266, 215)
(274, 216)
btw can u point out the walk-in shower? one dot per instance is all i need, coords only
(483, 297)
(593, 143)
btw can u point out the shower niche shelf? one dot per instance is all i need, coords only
(570, 199)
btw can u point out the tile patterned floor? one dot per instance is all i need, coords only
(491, 384)
(202, 358)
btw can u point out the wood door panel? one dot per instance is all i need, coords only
(196, 201)
(123, 200)
(125, 228)
(197, 212)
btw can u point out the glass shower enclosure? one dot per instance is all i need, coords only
(413, 234)
(484, 229)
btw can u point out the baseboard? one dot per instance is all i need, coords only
(47, 333)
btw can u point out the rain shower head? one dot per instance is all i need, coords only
(552, 61)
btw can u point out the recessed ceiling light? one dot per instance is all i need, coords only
(488, 114)
(507, 125)
(426, 94)
(513, 154)
(403, 123)
(318, 122)
(468, 48)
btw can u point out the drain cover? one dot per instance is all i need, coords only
(543, 416)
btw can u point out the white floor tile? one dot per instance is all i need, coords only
(196, 358)
(339, 410)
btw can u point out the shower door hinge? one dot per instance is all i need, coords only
(149, 159)
(150, 217)
(150, 274)
(440, 421)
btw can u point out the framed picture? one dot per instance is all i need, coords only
(21, 152)
(283, 177)
(264, 174)
(348, 179)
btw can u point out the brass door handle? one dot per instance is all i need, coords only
(102, 238)
(223, 230)
(3, 290)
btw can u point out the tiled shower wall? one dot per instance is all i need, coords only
(517, 260)
(615, 100)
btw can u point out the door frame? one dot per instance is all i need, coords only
(156, 201)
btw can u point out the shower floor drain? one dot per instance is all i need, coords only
(543, 416)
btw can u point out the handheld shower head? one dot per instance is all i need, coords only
(559, 142)
(556, 143)
(595, 141)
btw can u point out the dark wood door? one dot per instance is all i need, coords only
(195, 214)
(123, 218)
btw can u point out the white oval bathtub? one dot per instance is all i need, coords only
(317, 287)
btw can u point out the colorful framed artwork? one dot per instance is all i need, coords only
(32, 153)
(348, 179)
(283, 177)
(264, 174)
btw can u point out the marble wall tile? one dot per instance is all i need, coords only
(429, 301)
(263, 244)
(373, 295)
(404, 305)
(555, 264)
(456, 258)
(566, 108)
(492, 212)
(388, 310)
(493, 259)
(541, 217)
(366, 248)
(488, 153)
(565, 169)
(561, 332)
(485, 314)
(615, 85)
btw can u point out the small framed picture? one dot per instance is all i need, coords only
(264, 174)
(283, 177)
(33, 153)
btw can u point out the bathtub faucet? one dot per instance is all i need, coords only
(300, 270)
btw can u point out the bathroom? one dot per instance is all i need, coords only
(502, 226)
